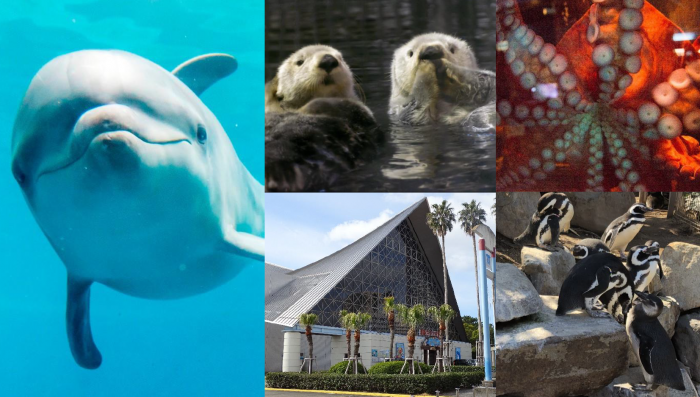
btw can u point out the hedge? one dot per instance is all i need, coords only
(339, 368)
(394, 367)
(379, 383)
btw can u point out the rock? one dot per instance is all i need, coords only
(681, 265)
(595, 211)
(515, 295)
(668, 319)
(514, 212)
(551, 356)
(687, 342)
(547, 270)
(622, 386)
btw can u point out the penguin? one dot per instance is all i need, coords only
(562, 203)
(588, 280)
(644, 263)
(651, 343)
(623, 229)
(588, 246)
(655, 200)
(543, 230)
(618, 301)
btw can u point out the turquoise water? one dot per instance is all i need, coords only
(205, 345)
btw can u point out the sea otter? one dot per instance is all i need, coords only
(316, 127)
(435, 78)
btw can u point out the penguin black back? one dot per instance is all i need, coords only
(589, 279)
(651, 343)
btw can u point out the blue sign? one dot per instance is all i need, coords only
(458, 353)
(400, 351)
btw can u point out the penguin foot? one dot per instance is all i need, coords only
(642, 387)
(597, 313)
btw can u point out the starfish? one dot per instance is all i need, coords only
(613, 106)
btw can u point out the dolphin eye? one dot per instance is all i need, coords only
(19, 176)
(201, 134)
(410, 53)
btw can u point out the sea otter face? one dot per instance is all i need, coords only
(315, 71)
(411, 58)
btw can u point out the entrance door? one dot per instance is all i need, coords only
(432, 355)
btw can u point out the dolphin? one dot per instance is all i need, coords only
(133, 180)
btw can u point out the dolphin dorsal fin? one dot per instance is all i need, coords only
(199, 73)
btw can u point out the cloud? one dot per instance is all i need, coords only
(355, 229)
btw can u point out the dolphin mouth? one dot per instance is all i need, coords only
(112, 123)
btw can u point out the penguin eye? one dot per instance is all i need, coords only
(300, 62)
(410, 53)
(201, 134)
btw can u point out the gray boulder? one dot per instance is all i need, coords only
(622, 386)
(515, 295)
(668, 319)
(551, 356)
(681, 266)
(514, 211)
(687, 342)
(547, 269)
(595, 211)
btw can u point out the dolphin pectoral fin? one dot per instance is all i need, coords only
(244, 244)
(82, 346)
(199, 73)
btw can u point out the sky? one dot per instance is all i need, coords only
(301, 228)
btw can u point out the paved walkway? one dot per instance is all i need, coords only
(289, 393)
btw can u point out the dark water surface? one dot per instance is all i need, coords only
(367, 33)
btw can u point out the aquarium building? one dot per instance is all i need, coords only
(402, 258)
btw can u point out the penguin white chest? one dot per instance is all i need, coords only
(544, 235)
(565, 221)
(625, 236)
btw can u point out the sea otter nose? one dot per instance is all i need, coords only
(328, 63)
(431, 52)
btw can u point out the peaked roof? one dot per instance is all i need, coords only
(309, 284)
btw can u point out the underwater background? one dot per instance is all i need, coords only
(210, 344)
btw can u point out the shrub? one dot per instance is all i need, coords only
(472, 378)
(394, 367)
(467, 368)
(380, 383)
(339, 368)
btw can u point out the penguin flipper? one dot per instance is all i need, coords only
(646, 345)
(602, 285)
(78, 328)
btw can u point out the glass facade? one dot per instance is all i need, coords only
(395, 267)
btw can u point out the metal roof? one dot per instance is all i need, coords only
(309, 284)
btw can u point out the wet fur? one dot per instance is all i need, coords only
(451, 90)
(316, 128)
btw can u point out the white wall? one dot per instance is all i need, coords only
(329, 350)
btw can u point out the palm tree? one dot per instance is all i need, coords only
(359, 320)
(470, 216)
(346, 321)
(389, 307)
(440, 221)
(308, 320)
(442, 315)
(412, 317)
